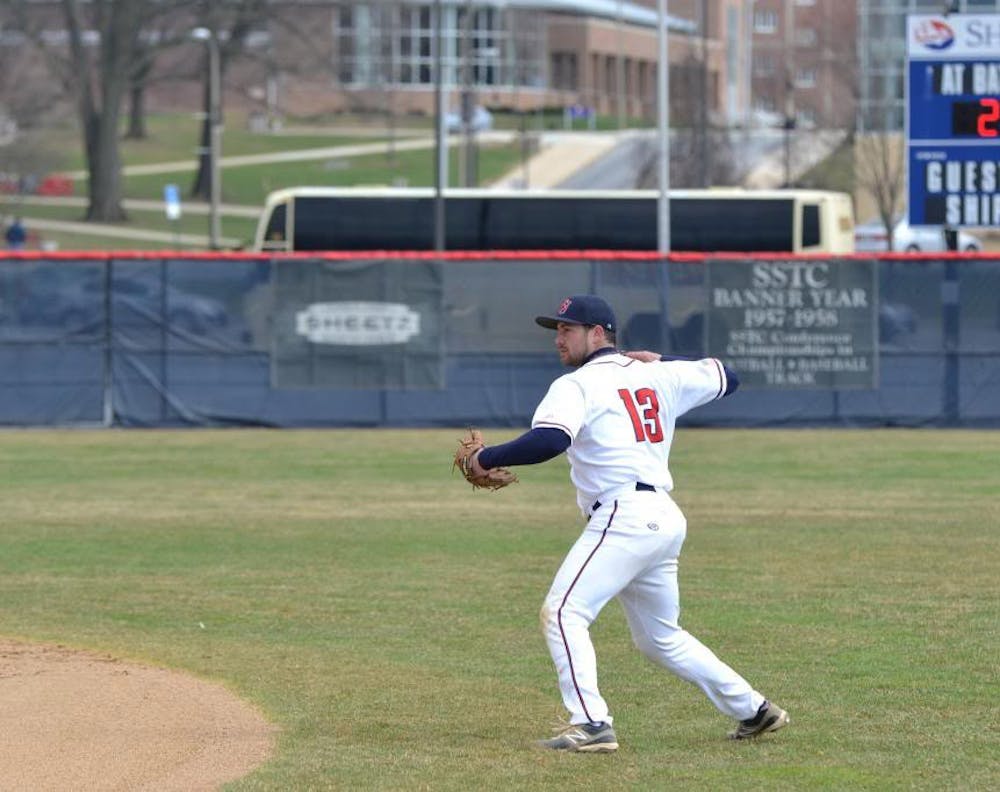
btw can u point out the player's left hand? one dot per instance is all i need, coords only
(644, 355)
(467, 461)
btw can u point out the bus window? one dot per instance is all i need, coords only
(275, 237)
(811, 234)
(623, 224)
(732, 224)
(465, 224)
(362, 224)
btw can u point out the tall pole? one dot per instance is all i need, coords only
(215, 100)
(663, 131)
(440, 151)
(620, 69)
(467, 105)
(704, 150)
(789, 125)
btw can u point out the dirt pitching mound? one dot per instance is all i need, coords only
(75, 720)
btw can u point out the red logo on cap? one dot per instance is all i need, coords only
(565, 306)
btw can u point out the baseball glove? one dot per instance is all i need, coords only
(492, 479)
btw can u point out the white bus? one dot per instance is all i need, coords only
(715, 219)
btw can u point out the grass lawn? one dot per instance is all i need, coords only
(175, 138)
(152, 220)
(385, 616)
(250, 184)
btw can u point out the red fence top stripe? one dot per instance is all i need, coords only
(469, 255)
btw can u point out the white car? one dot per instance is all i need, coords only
(871, 237)
(481, 121)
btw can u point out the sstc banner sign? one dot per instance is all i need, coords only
(796, 324)
(953, 119)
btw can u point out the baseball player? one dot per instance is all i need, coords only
(614, 417)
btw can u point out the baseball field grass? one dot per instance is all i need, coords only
(384, 616)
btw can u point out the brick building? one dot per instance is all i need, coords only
(727, 57)
(804, 61)
(598, 53)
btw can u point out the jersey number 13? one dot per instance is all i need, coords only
(647, 423)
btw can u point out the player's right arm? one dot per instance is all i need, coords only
(728, 379)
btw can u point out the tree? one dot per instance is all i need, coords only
(686, 171)
(880, 172)
(234, 26)
(26, 96)
(100, 80)
(701, 151)
(136, 129)
(92, 63)
(167, 26)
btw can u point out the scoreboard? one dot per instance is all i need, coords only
(953, 119)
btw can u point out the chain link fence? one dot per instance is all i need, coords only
(431, 341)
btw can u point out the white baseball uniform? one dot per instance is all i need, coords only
(620, 415)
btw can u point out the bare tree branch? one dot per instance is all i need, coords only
(880, 171)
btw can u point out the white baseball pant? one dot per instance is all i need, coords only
(630, 550)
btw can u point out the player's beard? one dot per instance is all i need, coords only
(572, 362)
(573, 356)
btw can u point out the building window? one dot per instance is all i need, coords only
(805, 78)
(564, 71)
(805, 37)
(379, 43)
(763, 65)
(765, 104)
(765, 21)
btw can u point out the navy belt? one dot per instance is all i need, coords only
(639, 487)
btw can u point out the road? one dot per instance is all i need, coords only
(758, 156)
(618, 169)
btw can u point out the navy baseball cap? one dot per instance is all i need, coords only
(583, 309)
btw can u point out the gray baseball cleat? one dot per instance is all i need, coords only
(770, 717)
(584, 738)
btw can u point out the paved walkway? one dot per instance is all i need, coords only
(139, 204)
(88, 228)
(805, 151)
(302, 155)
(123, 232)
(560, 155)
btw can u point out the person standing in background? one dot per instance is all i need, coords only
(15, 235)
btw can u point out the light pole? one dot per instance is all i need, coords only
(440, 140)
(215, 128)
(789, 58)
(663, 202)
(620, 69)
(663, 130)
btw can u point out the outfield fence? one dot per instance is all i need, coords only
(432, 340)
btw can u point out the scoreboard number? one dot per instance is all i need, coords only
(976, 118)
